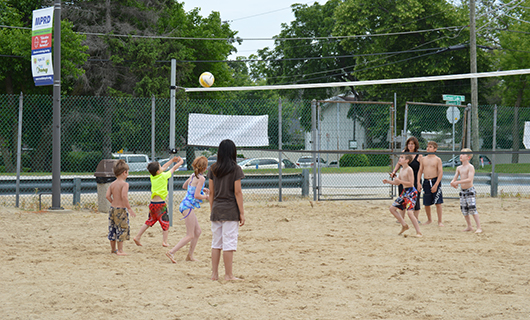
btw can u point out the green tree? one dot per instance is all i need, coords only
(306, 60)
(132, 42)
(367, 46)
(16, 75)
(15, 49)
(440, 50)
(514, 40)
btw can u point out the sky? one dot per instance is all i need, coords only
(251, 18)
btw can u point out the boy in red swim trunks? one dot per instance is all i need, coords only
(407, 198)
(158, 207)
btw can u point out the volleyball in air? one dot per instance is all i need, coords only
(206, 79)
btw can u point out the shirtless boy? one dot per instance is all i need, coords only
(431, 168)
(119, 229)
(468, 205)
(407, 198)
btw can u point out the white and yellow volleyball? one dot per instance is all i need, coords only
(206, 79)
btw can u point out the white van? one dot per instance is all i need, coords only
(136, 162)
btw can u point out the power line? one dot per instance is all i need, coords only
(308, 58)
(264, 13)
(378, 66)
(232, 39)
(367, 62)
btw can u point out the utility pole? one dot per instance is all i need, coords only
(474, 81)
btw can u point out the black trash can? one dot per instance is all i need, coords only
(104, 176)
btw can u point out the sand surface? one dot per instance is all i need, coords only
(299, 259)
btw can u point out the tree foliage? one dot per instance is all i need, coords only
(514, 40)
(15, 49)
(131, 44)
(373, 40)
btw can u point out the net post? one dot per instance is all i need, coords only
(313, 144)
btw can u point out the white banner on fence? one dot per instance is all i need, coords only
(211, 129)
(526, 138)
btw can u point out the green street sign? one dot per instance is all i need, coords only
(449, 97)
(453, 102)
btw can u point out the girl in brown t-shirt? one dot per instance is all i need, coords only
(226, 207)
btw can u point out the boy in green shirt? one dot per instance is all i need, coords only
(158, 207)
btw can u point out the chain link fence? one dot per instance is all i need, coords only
(502, 164)
(97, 128)
(346, 152)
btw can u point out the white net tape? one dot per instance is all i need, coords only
(367, 82)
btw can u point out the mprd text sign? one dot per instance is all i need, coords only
(41, 47)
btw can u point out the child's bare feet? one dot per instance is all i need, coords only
(165, 244)
(479, 230)
(428, 222)
(215, 277)
(121, 253)
(232, 278)
(190, 258)
(467, 229)
(440, 224)
(403, 229)
(419, 235)
(137, 242)
(171, 257)
(114, 251)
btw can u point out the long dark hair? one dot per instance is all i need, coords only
(226, 159)
(416, 144)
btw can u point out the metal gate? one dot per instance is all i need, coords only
(350, 143)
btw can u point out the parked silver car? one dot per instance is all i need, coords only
(260, 163)
(307, 162)
(484, 161)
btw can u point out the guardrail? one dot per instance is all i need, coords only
(82, 185)
(87, 185)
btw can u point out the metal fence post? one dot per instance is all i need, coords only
(404, 137)
(305, 183)
(153, 128)
(76, 191)
(280, 148)
(313, 144)
(468, 135)
(319, 157)
(173, 90)
(19, 147)
(494, 176)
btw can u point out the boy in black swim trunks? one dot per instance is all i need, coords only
(431, 168)
(468, 203)
(407, 198)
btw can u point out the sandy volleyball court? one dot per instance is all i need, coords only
(328, 260)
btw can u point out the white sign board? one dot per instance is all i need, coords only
(526, 138)
(453, 114)
(211, 129)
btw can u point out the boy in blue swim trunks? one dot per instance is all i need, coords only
(158, 207)
(468, 204)
(119, 208)
(431, 168)
(407, 198)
